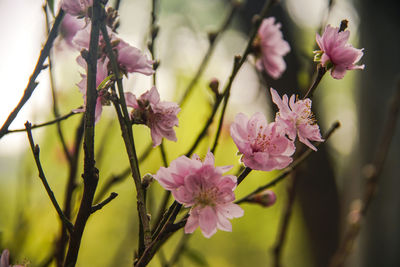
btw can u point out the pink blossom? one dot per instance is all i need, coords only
(202, 187)
(132, 60)
(70, 25)
(129, 58)
(159, 116)
(5, 259)
(76, 7)
(296, 118)
(336, 51)
(264, 146)
(81, 39)
(102, 73)
(273, 48)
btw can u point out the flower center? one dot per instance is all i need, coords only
(207, 197)
(305, 116)
(262, 142)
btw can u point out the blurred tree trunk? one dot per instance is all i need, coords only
(380, 36)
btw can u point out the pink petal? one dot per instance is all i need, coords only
(130, 100)
(231, 211)
(4, 259)
(223, 223)
(208, 221)
(192, 223)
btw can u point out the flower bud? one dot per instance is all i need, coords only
(147, 180)
(214, 85)
(266, 198)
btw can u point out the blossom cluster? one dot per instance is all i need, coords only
(200, 185)
(269, 146)
(158, 115)
(264, 146)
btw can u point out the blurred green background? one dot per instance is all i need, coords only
(328, 182)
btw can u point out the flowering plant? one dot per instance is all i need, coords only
(200, 185)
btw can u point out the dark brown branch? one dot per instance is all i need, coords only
(320, 73)
(167, 229)
(34, 126)
(38, 68)
(104, 202)
(69, 190)
(127, 134)
(90, 174)
(243, 175)
(153, 34)
(35, 150)
(372, 173)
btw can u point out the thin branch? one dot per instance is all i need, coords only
(90, 174)
(243, 175)
(104, 202)
(35, 150)
(153, 33)
(38, 68)
(159, 238)
(292, 167)
(164, 219)
(371, 172)
(320, 73)
(213, 38)
(163, 205)
(127, 134)
(53, 92)
(69, 190)
(34, 126)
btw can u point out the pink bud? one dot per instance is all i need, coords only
(266, 198)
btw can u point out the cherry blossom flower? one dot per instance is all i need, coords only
(82, 38)
(5, 259)
(296, 118)
(130, 59)
(76, 7)
(70, 25)
(102, 73)
(273, 48)
(336, 54)
(159, 116)
(202, 187)
(264, 146)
